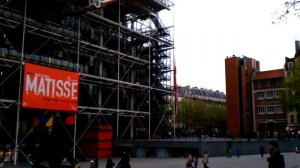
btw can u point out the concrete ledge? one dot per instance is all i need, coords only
(170, 148)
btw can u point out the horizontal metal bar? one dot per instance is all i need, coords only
(111, 110)
(127, 29)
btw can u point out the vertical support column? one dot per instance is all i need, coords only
(119, 48)
(132, 129)
(132, 101)
(74, 136)
(100, 65)
(100, 68)
(253, 102)
(99, 97)
(173, 54)
(132, 95)
(149, 85)
(174, 122)
(20, 86)
(77, 69)
(149, 89)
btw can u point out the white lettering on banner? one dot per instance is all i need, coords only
(41, 88)
(59, 87)
(31, 86)
(67, 88)
(50, 87)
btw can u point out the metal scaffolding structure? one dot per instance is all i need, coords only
(120, 48)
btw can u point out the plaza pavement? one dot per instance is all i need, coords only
(292, 160)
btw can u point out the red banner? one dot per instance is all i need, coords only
(49, 88)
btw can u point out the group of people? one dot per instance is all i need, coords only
(193, 162)
(229, 152)
(275, 160)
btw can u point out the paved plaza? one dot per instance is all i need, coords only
(292, 160)
(250, 161)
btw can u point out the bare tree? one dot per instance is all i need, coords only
(292, 7)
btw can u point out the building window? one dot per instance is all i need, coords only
(261, 110)
(268, 83)
(253, 64)
(277, 83)
(278, 109)
(292, 119)
(259, 84)
(268, 94)
(260, 95)
(290, 65)
(269, 109)
(276, 93)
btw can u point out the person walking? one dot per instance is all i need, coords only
(228, 152)
(195, 162)
(109, 163)
(262, 151)
(124, 162)
(238, 152)
(189, 161)
(76, 164)
(205, 159)
(276, 160)
(94, 163)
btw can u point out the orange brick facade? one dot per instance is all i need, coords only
(239, 72)
(252, 98)
(232, 96)
(270, 117)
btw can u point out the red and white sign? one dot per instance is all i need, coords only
(49, 88)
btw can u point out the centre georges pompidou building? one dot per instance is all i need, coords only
(78, 75)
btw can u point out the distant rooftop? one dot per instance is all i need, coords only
(208, 94)
(278, 73)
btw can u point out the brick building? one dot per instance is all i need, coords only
(239, 74)
(253, 98)
(269, 116)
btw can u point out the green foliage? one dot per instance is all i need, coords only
(197, 113)
(291, 94)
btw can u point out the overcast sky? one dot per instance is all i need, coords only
(208, 31)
